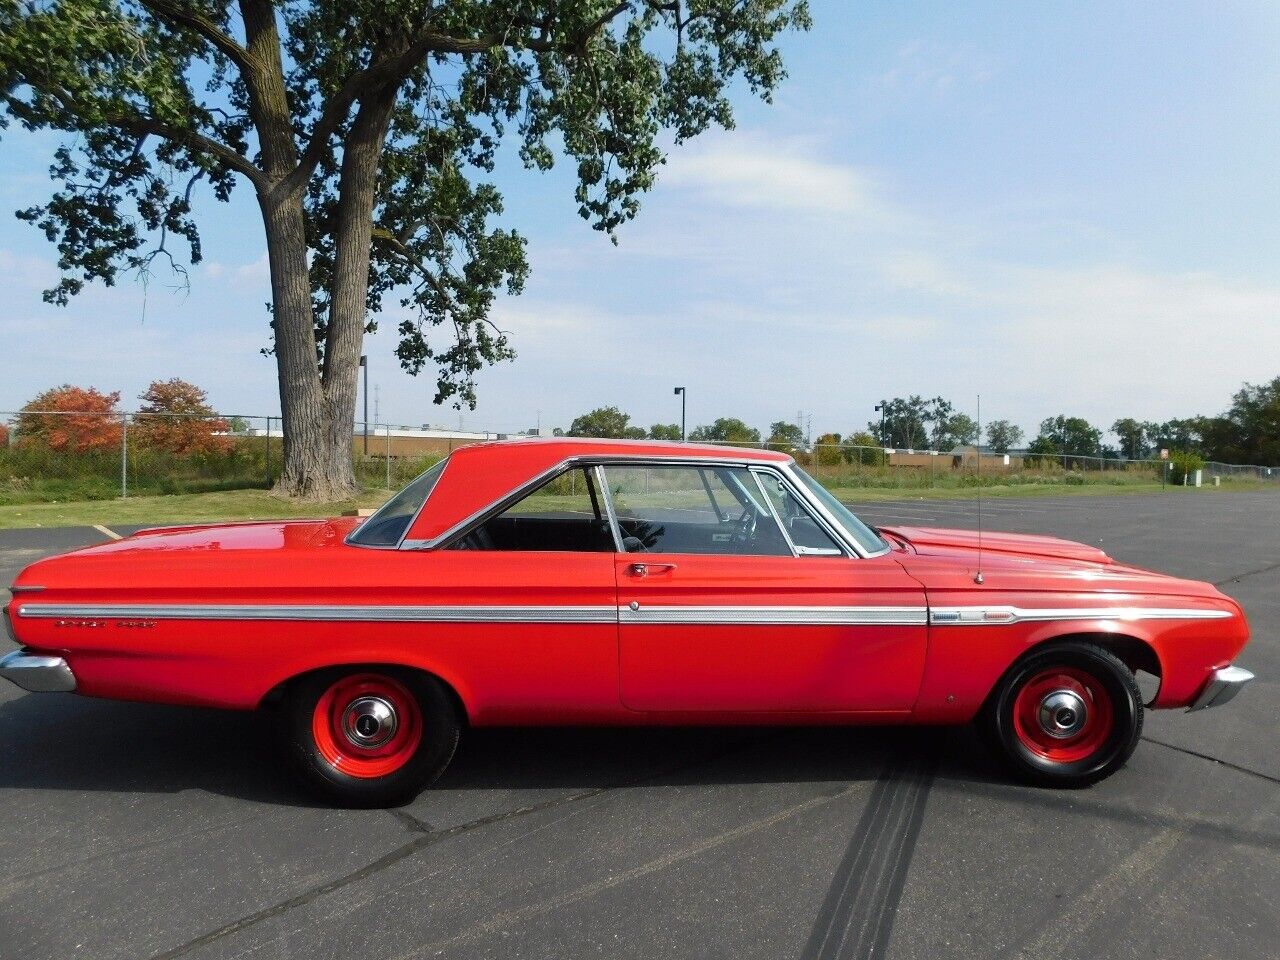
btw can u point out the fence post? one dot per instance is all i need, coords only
(266, 458)
(388, 456)
(124, 455)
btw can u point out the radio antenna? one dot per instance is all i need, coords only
(978, 578)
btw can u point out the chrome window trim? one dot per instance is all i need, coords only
(768, 504)
(466, 525)
(837, 533)
(412, 520)
(607, 496)
(833, 524)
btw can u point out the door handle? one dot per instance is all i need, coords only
(644, 569)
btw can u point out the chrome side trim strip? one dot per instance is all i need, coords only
(346, 613)
(1003, 615)
(747, 616)
(547, 613)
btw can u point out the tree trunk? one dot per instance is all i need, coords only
(348, 294)
(314, 467)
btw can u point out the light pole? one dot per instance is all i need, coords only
(883, 455)
(680, 391)
(364, 364)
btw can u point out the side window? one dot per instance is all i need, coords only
(805, 532)
(686, 509)
(564, 514)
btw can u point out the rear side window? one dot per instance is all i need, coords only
(564, 515)
(387, 527)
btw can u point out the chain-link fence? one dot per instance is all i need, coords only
(865, 467)
(66, 455)
(61, 455)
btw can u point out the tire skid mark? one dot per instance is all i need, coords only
(1204, 756)
(1062, 934)
(596, 887)
(855, 920)
(424, 840)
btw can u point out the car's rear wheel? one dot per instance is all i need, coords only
(370, 736)
(1067, 715)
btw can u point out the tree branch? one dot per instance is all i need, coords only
(198, 142)
(179, 16)
(393, 69)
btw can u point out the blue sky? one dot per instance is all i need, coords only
(1068, 208)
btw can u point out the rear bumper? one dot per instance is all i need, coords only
(37, 673)
(1224, 683)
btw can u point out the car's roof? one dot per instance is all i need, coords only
(480, 474)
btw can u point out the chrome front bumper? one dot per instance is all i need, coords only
(36, 673)
(1223, 685)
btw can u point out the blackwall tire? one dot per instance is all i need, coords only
(1067, 715)
(370, 736)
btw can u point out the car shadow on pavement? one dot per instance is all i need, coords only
(58, 742)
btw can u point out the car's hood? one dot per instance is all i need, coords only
(935, 541)
(948, 560)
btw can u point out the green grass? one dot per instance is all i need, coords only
(261, 505)
(179, 508)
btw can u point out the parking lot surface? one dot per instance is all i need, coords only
(133, 830)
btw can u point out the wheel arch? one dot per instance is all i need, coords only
(278, 692)
(1134, 652)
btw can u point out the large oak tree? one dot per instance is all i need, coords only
(365, 129)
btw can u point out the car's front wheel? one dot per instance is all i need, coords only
(1067, 715)
(370, 736)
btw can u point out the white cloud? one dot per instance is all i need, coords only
(929, 67)
(750, 170)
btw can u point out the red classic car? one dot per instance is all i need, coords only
(617, 582)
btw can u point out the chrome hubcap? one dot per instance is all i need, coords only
(1062, 714)
(369, 722)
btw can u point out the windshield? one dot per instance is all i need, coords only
(387, 527)
(866, 538)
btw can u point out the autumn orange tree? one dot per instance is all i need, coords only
(71, 419)
(175, 416)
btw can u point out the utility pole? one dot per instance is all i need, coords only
(681, 392)
(364, 364)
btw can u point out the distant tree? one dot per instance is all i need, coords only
(958, 430)
(605, 422)
(237, 424)
(726, 430)
(1067, 435)
(914, 423)
(664, 431)
(1133, 438)
(861, 447)
(71, 419)
(1249, 432)
(176, 417)
(1003, 435)
(1174, 434)
(4, 435)
(827, 451)
(557, 431)
(788, 437)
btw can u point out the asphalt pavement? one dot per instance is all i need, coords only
(140, 831)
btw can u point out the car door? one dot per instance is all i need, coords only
(719, 610)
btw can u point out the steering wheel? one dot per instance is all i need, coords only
(745, 526)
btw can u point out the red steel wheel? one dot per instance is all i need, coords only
(367, 725)
(1063, 714)
(370, 735)
(1067, 714)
